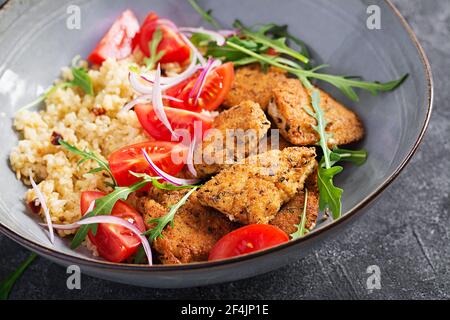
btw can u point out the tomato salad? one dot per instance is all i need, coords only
(237, 79)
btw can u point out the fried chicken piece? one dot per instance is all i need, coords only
(275, 141)
(290, 214)
(195, 228)
(295, 124)
(252, 83)
(236, 134)
(254, 190)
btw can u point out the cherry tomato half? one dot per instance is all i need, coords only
(247, 239)
(168, 156)
(114, 243)
(178, 119)
(117, 43)
(216, 87)
(175, 49)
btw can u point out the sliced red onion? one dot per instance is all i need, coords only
(211, 65)
(45, 208)
(157, 103)
(145, 99)
(200, 78)
(220, 39)
(167, 177)
(90, 208)
(194, 50)
(167, 82)
(112, 220)
(137, 84)
(190, 157)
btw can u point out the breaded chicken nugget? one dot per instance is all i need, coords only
(290, 214)
(236, 134)
(195, 228)
(252, 83)
(254, 191)
(295, 124)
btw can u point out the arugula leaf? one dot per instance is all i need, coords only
(44, 96)
(330, 196)
(159, 185)
(343, 83)
(7, 284)
(357, 157)
(153, 46)
(301, 229)
(206, 14)
(321, 125)
(81, 79)
(201, 39)
(279, 44)
(281, 31)
(163, 221)
(89, 155)
(104, 206)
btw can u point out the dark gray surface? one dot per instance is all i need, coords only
(406, 233)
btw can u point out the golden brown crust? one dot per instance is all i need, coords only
(246, 119)
(251, 83)
(290, 214)
(287, 111)
(255, 190)
(195, 229)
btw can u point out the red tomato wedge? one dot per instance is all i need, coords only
(175, 49)
(216, 87)
(178, 118)
(114, 243)
(117, 43)
(247, 239)
(168, 156)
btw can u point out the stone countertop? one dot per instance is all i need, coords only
(406, 235)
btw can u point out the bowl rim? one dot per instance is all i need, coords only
(86, 261)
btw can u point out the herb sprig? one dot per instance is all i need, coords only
(301, 227)
(206, 14)
(155, 56)
(163, 221)
(330, 195)
(345, 84)
(279, 43)
(7, 284)
(81, 79)
(89, 155)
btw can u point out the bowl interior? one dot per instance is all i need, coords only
(36, 43)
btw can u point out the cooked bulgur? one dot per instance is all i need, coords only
(85, 121)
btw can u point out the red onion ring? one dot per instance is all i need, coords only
(44, 206)
(212, 64)
(145, 99)
(167, 177)
(190, 157)
(158, 104)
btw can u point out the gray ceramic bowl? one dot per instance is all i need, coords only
(36, 43)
